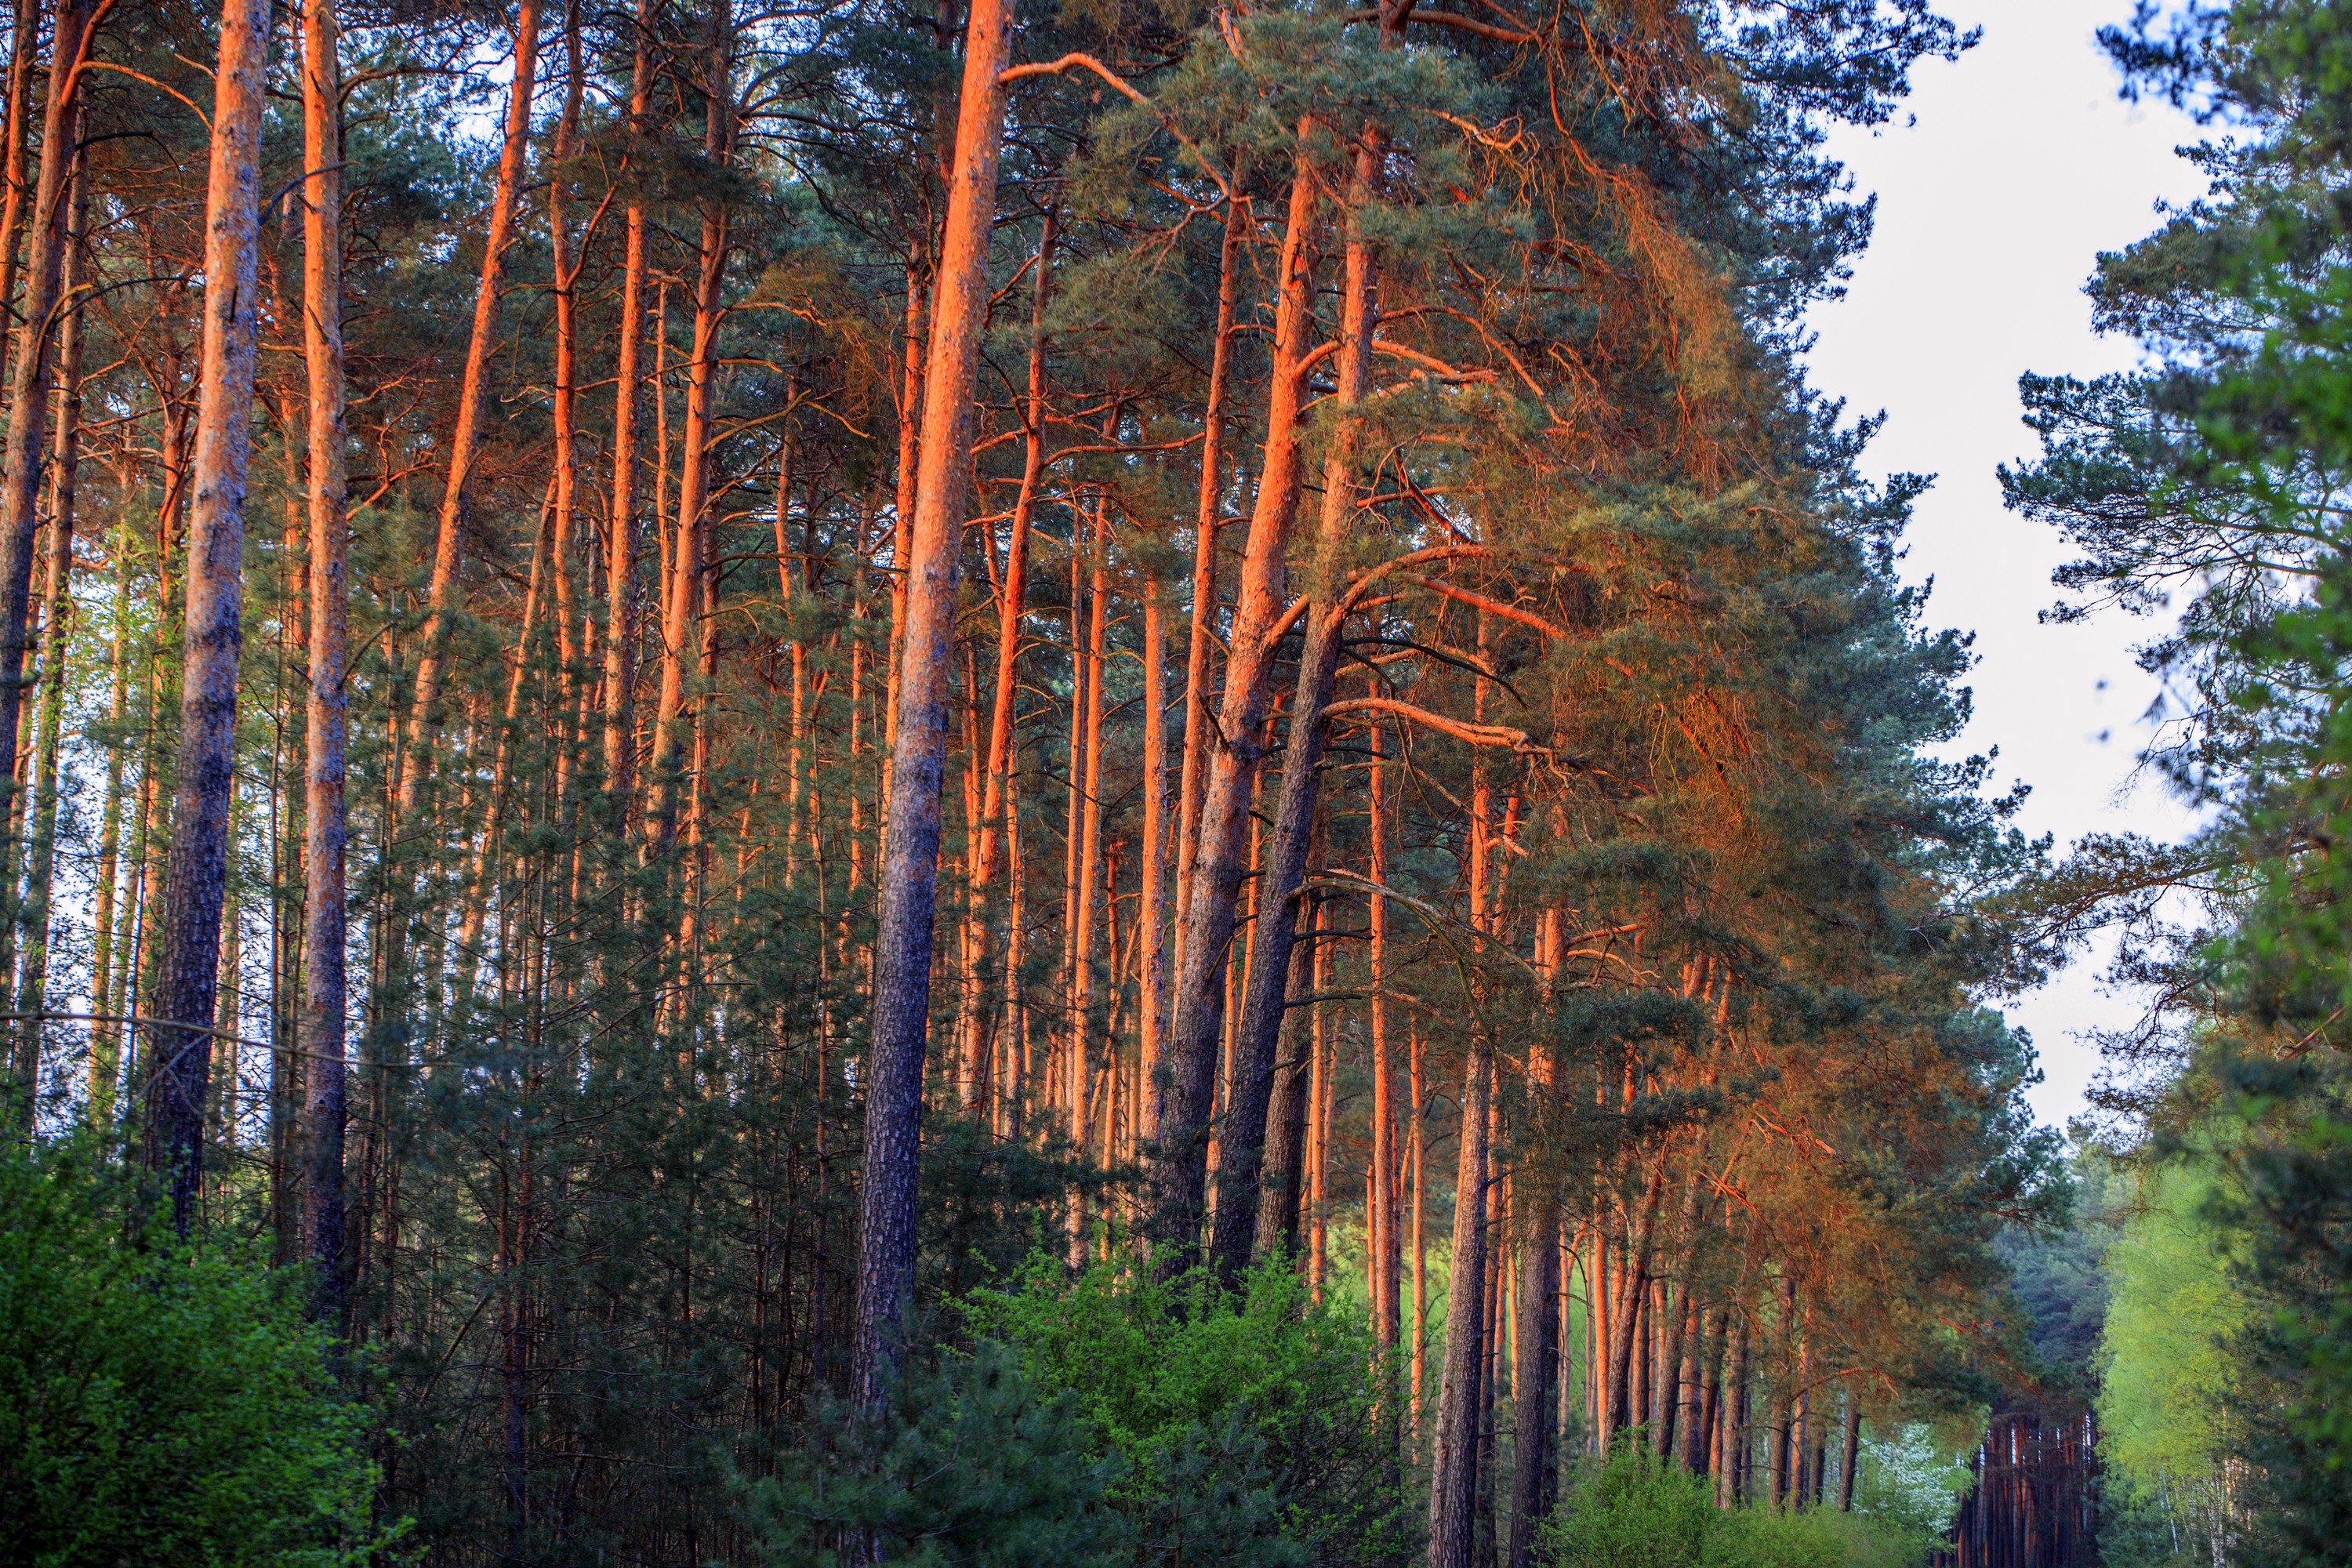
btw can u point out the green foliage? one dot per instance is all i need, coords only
(967, 1462)
(1635, 1512)
(1248, 1399)
(2165, 1372)
(161, 1403)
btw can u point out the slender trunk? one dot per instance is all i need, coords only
(1535, 1365)
(1453, 1467)
(1206, 519)
(682, 615)
(1385, 1264)
(1850, 1452)
(20, 468)
(563, 400)
(1179, 1174)
(1276, 1217)
(1011, 602)
(1417, 1141)
(57, 623)
(189, 971)
(106, 1039)
(23, 39)
(902, 965)
(621, 545)
(465, 441)
(325, 835)
(1087, 779)
(1152, 960)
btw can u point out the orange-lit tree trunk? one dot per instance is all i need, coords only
(1206, 518)
(188, 970)
(1152, 915)
(621, 545)
(1265, 996)
(910, 872)
(325, 1108)
(465, 440)
(1178, 1173)
(682, 615)
(1011, 603)
(22, 40)
(563, 396)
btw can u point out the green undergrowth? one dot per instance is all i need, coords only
(1635, 1512)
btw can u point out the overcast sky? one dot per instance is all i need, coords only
(2020, 164)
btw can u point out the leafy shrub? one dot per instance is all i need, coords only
(1248, 1396)
(1636, 1512)
(967, 1463)
(159, 1402)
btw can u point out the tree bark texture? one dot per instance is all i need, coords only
(910, 871)
(188, 970)
(325, 1108)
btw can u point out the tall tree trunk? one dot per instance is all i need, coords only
(1151, 912)
(1850, 1450)
(1387, 1253)
(28, 410)
(621, 545)
(1277, 924)
(1536, 1363)
(465, 440)
(24, 38)
(1011, 603)
(563, 398)
(188, 973)
(57, 622)
(682, 615)
(1417, 1147)
(1179, 1174)
(1206, 519)
(902, 964)
(1276, 1215)
(106, 1038)
(1453, 1465)
(326, 839)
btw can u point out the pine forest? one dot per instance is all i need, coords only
(850, 782)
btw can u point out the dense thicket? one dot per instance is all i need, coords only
(1070, 660)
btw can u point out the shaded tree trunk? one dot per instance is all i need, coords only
(621, 543)
(188, 970)
(1453, 1465)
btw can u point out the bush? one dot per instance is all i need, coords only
(967, 1463)
(1248, 1397)
(1637, 1512)
(159, 1402)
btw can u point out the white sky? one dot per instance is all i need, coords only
(2020, 164)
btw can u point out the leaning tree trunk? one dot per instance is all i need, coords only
(1179, 1171)
(188, 973)
(324, 1105)
(910, 872)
